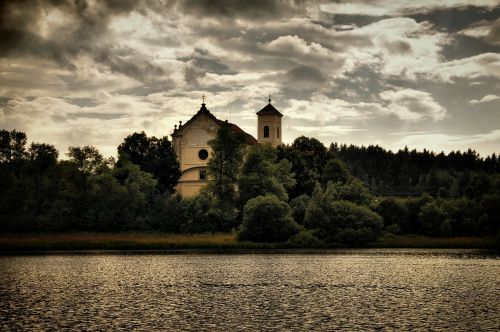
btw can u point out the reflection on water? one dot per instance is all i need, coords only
(348, 290)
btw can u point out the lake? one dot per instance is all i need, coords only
(386, 289)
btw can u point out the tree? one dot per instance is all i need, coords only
(354, 190)
(224, 164)
(308, 157)
(267, 219)
(335, 171)
(299, 206)
(42, 156)
(432, 217)
(87, 159)
(153, 155)
(341, 221)
(261, 174)
(12, 145)
(394, 212)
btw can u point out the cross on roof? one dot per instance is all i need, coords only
(203, 99)
(269, 99)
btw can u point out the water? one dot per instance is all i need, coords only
(347, 290)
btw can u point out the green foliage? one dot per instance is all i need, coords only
(39, 193)
(395, 214)
(308, 157)
(299, 206)
(353, 190)
(432, 217)
(12, 145)
(305, 239)
(335, 171)
(414, 172)
(341, 221)
(42, 157)
(267, 219)
(87, 159)
(224, 165)
(262, 175)
(153, 155)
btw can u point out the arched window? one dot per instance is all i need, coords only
(266, 131)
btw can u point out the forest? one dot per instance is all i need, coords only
(304, 193)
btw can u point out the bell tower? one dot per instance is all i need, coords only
(269, 125)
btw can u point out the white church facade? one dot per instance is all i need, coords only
(190, 141)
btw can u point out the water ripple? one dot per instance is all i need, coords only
(353, 290)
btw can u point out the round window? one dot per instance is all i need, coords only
(203, 154)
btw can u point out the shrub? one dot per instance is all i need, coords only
(393, 229)
(267, 219)
(299, 206)
(394, 213)
(431, 217)
(341, 221)
(354, 190)
(306, 239)
(335, 171)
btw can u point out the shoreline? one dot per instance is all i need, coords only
(209, 243)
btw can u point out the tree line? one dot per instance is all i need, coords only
(303, 193)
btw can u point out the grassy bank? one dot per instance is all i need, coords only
(142, 241)
(113, 241)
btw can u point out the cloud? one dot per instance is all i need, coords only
(412, 105)
(92, 72)
(488, 31)
(302, 74)
(395, 7)
(255, 10)
(485, 99)
(326, 131)
(483, 65)
(487, 142)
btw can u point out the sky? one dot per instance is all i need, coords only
(422, 74)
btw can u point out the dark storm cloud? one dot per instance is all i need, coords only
(306, 73)
(256, 9)
(398, 47)
(493, 36)
(456, 19)
(119, 66)
(355, 20)
(86, 34)
(465, 46)
(206, 62)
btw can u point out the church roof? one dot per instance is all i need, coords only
(269, 110)
(249, 139)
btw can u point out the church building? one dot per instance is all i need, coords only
(190, 141)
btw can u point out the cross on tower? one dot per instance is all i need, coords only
(203, 99)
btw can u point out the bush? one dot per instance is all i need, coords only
(341, 221)
(306, 239)
(432, 217)
(335, 171)
(267, 219)
(393, 229)
(354, 190)
(394, 213)
(299, 206)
